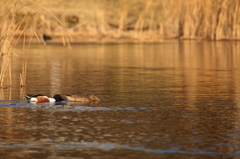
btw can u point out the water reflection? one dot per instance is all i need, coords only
(55, 77)
(174, 99)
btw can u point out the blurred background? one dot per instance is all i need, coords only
(135, 19)
(166, 71)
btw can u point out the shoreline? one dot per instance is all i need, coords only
(111, 40)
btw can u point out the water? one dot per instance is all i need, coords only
(168, 100)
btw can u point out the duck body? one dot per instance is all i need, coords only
(39, 98)
(81, 98)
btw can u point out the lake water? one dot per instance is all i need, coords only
(159, 100)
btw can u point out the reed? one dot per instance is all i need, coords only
(17, 22)
(6, 43)
(141, 19)
(23, 74)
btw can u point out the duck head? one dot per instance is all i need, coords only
(58, 98)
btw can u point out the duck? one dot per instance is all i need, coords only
(46, 37)
(81, 98)
(39, 98)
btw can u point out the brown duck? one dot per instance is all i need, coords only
(81, 98)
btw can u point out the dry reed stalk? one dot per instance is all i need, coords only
(192, 22)
(53, 15)
(150, 30)
(100, 20)
(22, 93)
(197, 19)
(23, 75)
(140, 22)
(32, 35)
(66, 38)
(6, 93)
(10, 74)
(24, 66)
(124, 9)
(9, 30)
(236, 21)
(4, 67)
(10, 93)
(65, 34)
(8, 42)
(63, 39)
(223, 31)
(1, 94)
(68, 42)
(21, 23)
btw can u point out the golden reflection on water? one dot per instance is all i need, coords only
(6, 93)
(193, 70)
(158, 96)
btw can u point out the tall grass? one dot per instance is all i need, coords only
(21, 21)
(7, 42)
(141, 19)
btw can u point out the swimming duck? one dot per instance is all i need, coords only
(39, 98)
(81, 98)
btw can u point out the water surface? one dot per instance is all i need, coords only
(159, 100)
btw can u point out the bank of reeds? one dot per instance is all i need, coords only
(9, 38)
(141, 19)
(17, 21)
(6, 42)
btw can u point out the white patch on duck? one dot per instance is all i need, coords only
(51, 99)
(34, 100)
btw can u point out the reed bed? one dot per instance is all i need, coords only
(141, 19)
(8, 41)
(6, 44)
(136, 19)
(23, 21)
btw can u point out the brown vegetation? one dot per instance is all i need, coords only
(18, 20)
(9, 30)
(138, 19)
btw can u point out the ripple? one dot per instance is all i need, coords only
(63, 106)
(111, 146)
